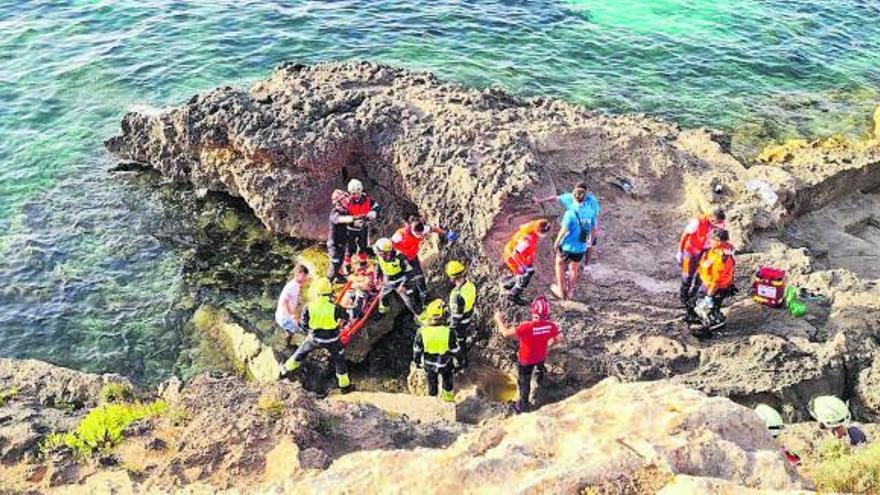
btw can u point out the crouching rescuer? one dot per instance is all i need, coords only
(434, 346)
(322, 319)
(716, 282)
(461, 309)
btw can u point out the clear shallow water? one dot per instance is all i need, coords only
(94, 265)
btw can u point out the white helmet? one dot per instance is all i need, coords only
(355, 186)
(384, 245)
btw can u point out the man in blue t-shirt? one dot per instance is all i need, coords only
(578, 234)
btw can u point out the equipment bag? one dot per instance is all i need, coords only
(768, 287)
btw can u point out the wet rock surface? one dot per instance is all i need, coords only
(472, 160)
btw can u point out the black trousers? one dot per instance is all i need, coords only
(524, 381)
(417, 279)
(336, 253)
(358, 242)
(335, 348)
(462, 331)
(433, 375)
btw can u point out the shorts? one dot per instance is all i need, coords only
(571, 257)
(288, 325)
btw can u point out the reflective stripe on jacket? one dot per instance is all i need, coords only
(461, 302)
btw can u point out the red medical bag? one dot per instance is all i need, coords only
(769, 286)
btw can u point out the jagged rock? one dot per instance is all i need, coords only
(53, 385)
(417, 381)
(688, 485)
(472, 160)
(242, 347)
(867, 393)
(767, 368)
(585, 440)
(424, 409)
(46, 399)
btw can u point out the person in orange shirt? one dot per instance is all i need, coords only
(716, 270)
(407, 240)
(519, 256)
(694, 242)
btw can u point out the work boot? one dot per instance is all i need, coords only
(684, 295)
(344, 382)
(517, 299)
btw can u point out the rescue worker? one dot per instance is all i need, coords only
(716, 277)
(694, 242)
(362, 209)
(535, 337)
(393, 268)
(519, 256)
(337, 239)
(322, 319)
(461, 309)
(434, 346)
(832, 413)
(407, 240)
(773, 421)
(287, 312)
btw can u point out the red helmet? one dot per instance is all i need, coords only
(337, 196)
(541, 308)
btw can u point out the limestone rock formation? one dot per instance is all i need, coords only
(472, 160)
(585, 440)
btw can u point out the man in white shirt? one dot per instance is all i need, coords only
(290, 302)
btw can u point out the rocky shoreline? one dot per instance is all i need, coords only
(472, 160)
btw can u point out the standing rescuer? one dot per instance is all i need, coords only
(394, 269)
(407, 240)
(694, 242)
(434, 346)
(519, 256)
(322, 318)
(535, 337)
(362, 209)
(461, 309)
(337, 237)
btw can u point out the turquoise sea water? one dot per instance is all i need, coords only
(93, 265)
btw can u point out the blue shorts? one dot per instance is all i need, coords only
(289, 325)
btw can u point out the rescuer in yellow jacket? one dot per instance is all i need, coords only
(322, 319)
(461, 309)
(433, 348)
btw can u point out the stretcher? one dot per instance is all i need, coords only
(353, 327)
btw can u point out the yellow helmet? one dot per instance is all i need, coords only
(322, 286)
(435, 309)
(454, 268)
(383, 245)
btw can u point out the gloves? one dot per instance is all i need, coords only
(451, 235)
(709, 301)
(371, 215)
(359, 223)
(679, 257)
